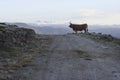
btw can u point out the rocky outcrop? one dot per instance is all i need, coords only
(15, 49)
(107, 37)
(102, 37)
(11, 35)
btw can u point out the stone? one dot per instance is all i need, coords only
(13, 35)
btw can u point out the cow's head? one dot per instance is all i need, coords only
(70, 25)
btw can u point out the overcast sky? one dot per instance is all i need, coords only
(60, 11)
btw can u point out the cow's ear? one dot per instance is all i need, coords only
(70, 22)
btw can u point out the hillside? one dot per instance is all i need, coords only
(30, 56)
(18, 46)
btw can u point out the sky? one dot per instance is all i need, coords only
(61, 11)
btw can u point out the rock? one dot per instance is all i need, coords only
(2, 23)
(99, 33)
(11, 71)
(11, 35)
(107, 37)
(2, 77)
(9, 77)
(4, 71)
(104, 47)
(93, 33)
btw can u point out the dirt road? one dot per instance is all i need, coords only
(73, 57)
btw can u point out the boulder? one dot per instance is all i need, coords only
(11, 35)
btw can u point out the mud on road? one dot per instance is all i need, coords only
(74, 57)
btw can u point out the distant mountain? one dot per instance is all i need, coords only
(53, 30)
(47, 29)
(114, 30)
(23, 25)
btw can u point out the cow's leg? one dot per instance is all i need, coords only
(85, 30)
(76, 32)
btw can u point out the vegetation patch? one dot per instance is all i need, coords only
(15, 57)
(82, 54)
(91, 55)
(7, 51)
(89, 59)
(2, 28)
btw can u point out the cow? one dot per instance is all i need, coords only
(79, 27)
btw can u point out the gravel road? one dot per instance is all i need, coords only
(73, 57)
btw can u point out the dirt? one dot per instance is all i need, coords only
(73, 57)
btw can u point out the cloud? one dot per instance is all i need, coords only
(93, 16)
(88, 12)
(90, 16)
(44, 22)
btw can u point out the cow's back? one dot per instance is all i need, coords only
(81, 27)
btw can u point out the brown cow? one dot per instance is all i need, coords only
(79, 27)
